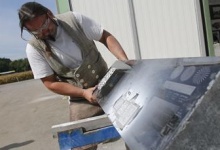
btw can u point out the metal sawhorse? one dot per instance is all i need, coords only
(83, 132)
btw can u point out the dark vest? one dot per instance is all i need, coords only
(93, 67)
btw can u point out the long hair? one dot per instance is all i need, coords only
(28, 11)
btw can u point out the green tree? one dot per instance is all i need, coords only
(4, 64)
(20, 65)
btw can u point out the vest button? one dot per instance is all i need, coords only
(81, 80)
(93, 71)
(97, 76)
(77, 75)
(89, 66)
(85, 84)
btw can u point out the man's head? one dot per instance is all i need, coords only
(37, 19)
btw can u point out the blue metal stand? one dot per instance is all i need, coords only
(78, 138)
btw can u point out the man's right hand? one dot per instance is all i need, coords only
(88, 94)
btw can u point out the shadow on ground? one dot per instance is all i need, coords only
(16, 145)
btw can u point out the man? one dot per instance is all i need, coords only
(63, 55)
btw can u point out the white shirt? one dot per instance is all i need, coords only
(63, 46)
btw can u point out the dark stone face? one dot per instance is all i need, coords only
(157, 100)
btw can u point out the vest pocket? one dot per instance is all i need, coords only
(91, 72)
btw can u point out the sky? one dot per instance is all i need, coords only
(11, 44)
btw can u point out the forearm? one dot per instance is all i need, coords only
(64, 88)
(73, 91)
(113, 45)
(67, 89)
(115, 48)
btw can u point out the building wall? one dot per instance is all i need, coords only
(170, 28)
(162, 29)
(114, 17)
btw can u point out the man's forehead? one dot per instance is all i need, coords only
(37, 18)
(35, 22)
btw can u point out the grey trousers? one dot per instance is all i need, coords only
(83, 109)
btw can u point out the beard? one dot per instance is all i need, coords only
(52, 38)
(48, 37)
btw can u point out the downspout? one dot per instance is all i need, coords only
(134, 30)
(63, 6)
(208, 28)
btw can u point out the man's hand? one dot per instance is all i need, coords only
(88, 94)
(64, 88)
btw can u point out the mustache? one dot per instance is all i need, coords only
(52, 38)
(49, 37)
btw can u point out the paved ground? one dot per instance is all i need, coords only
(27, 112)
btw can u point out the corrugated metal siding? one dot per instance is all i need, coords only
(167, 28)
(114, 16)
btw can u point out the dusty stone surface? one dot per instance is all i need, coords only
(203, 127)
